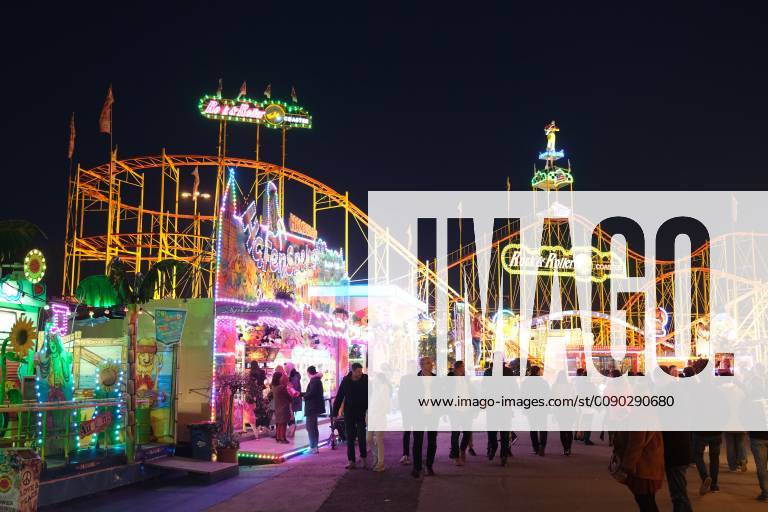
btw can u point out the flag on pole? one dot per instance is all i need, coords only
(242, 92)
(105, 119)
(114, 154)
(268, 91)
(71, 148)
(196, 185)
(220, 88)
(293, 94)
(509, 185)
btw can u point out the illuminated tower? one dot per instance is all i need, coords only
(552, 177)
(553, 203)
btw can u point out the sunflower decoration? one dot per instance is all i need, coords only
(109, 376)
(22, 336)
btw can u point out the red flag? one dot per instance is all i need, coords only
(268, 91)
(71, 149)
(293, 94)
(105, 119)
(242, 91)
(221, 87)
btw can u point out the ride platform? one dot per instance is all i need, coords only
(209, 472)
(266, 449)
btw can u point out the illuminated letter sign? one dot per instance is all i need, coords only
(272, 113)
(296, 225)
(563, 262)
(277, 250)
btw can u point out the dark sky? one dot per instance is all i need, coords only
(650, 97)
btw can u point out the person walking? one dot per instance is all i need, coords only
(381, 397)
(584, 387)
(314, 406)
(282, 401)
(353, 395)
(758, 442)
(497, 416)
(427, 366)
(459, 450)
(537, 387)
(677, 457)
(711, 440)
(565, 416)
(408, 383)
(736, 451)
(641, 457)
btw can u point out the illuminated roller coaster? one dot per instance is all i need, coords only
(110, 215)
(742, 298)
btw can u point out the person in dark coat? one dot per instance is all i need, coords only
(758, 441)
(458, 450)
(282, 402)
(353, 395)
(294, 378)
(314, 406)
(678, 455)
(426, 365)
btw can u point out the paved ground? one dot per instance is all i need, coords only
(320, 483)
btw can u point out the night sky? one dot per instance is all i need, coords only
(656, 97)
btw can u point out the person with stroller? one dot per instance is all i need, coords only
(314, 406)
(353, 396)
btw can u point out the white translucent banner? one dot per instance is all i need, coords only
(597, 310)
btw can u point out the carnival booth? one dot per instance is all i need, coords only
(400, 314)
(263, 318)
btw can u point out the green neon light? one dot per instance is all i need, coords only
(564, 262)
(557, 176)
(267, 112)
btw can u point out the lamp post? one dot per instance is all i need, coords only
(195, 195)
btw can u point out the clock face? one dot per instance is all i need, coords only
(274, 114)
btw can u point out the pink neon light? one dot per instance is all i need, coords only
(282, 323)
(60, 314)
(326, 318)
(242, 110)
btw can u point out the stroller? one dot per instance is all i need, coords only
(338, 428)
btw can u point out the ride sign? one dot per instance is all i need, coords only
(271, 113)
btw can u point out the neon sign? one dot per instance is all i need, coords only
(271, 113)
(275, 249)
(297, 225)
(579, 262)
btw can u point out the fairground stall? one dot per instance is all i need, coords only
(263, 316)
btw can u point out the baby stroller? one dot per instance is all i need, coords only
(338, 427)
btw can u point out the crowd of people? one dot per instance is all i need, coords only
(640, 460)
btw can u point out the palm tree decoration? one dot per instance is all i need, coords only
(16, 238)
(162, 279)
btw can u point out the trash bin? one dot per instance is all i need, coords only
(19, 479)
(201, 435)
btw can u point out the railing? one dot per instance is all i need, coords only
(65, 428)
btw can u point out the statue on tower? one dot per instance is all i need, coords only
(551, 130)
